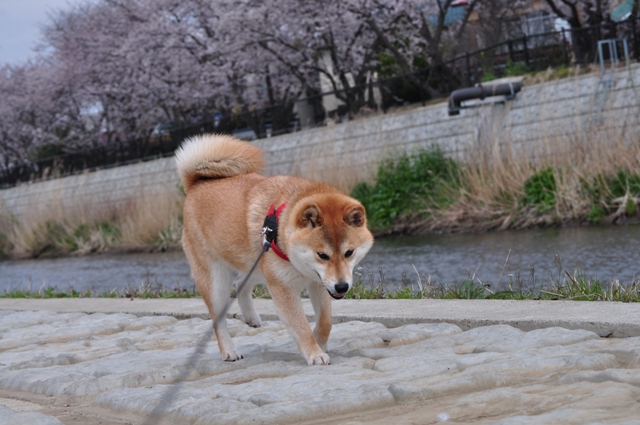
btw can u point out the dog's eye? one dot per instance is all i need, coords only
(348, 253)
(322, 256)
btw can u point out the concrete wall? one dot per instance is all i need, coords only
(100, 190)
(541, 119)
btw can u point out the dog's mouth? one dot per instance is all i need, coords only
(335, 296)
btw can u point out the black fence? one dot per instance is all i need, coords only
(516, 56)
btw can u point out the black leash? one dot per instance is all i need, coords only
(269, 233)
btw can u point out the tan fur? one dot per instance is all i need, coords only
(224, 211)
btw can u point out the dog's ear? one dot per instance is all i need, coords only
(355, 216)
(311, 217)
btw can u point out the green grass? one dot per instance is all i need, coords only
(147, 289)
(576, 287)
(567, 286)
(49, 292)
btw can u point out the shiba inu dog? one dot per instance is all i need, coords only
(321, 235)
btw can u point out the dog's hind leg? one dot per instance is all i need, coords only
(245, 300)
(216, 299)
(321, 302)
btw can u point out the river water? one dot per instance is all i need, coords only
(607, 253)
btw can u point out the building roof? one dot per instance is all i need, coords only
(623, 11)
(455, 13)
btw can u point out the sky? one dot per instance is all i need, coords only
(20, 22)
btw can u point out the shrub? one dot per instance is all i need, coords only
(596, 214)
(406, 184)
(540, 190)
(624, 182)
(488, 76)
(602, 190)
(515, 69)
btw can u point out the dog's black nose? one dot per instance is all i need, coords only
(342, 287)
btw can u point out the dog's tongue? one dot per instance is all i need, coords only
(336, 295)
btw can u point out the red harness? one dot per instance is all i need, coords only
(272, 216)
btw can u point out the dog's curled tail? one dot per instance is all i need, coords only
(216, 156)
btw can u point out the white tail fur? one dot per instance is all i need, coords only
(216, 156)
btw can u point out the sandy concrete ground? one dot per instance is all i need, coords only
(608, 319)
(123, 368)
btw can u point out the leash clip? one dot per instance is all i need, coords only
(269, 230)
(267, 236)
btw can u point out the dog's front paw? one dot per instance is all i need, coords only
(254, 322)
(318, 359)
(231, 356)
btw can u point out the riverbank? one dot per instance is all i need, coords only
(584, 180)
(567, 287)
(400, 361)
(555, 263)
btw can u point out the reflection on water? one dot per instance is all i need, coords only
(102, 272)
(607, 253)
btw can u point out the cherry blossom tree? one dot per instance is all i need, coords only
(417, 34)
(19, 122)
(581, 13)
(497, 18)
(112, 70)
(87, 43)
(248, 78)
(323, 44)
(38, 116)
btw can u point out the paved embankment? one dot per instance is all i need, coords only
(108, 361)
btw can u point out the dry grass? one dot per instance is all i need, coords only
(552, 74)
(330, 163)
(51, 227)
(150, 221)
(493, 180)
(152, 218)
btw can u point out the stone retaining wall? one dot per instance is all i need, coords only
(541, 116)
